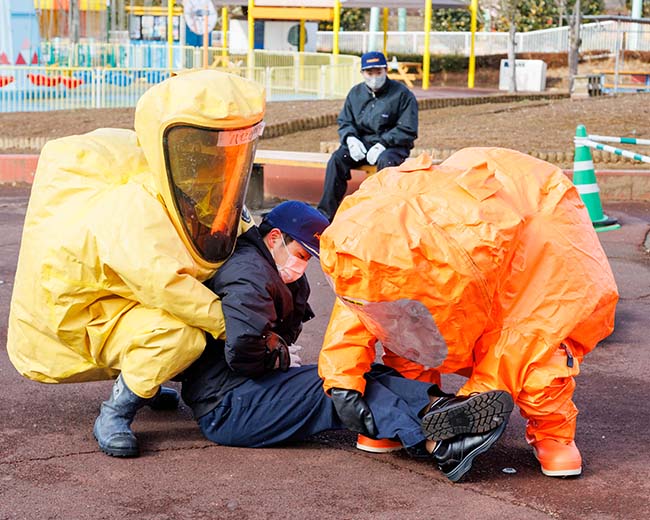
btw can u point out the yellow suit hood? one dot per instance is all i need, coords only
(207, 99)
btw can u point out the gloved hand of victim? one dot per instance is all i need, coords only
(353, 411)
(357, 148)
(374, 153)
(277, 353)
(293, 354)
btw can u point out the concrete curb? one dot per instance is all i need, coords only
(306, 183)
(16, 168)
(559, 157)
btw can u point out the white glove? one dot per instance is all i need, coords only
(374, 153)
(357, 148)
(293, 355)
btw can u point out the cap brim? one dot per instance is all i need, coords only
(309, 249)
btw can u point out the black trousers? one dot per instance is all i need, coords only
(338, 170)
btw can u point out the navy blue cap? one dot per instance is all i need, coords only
(372, 60)
(301, 222)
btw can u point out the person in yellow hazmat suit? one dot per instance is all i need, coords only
(487, 265)
(121, 230)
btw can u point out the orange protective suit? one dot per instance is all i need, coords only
(486, 265)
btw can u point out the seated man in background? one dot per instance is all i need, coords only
(377, 125)
(250, 390)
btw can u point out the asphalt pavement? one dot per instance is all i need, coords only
(50, 466)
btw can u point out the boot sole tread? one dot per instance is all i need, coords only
(117, 452)
(478, 414)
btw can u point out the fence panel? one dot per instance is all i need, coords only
(595, 36)
(44, 88)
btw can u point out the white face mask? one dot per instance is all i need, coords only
(375, 82)
(293, 268)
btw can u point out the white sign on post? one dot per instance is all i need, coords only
(195, 12)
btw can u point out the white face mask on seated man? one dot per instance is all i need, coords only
(374, 78)
(293, 267)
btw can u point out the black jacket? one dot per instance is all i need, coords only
(388, 116)
(255, 301)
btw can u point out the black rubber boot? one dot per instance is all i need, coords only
(454, 457)
(165, 399)
(113, 426)
(460, 415)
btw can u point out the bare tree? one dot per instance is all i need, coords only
(562, 9)
(574, 43)
(73, 21)
(509, 10)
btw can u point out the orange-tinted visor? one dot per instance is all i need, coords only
(209, 170)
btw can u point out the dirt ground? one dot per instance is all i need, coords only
(528, 126)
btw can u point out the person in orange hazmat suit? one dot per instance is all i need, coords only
(121, 230)
(486, 265)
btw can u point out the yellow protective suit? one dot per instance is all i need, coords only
(108, 280)
(487, 265)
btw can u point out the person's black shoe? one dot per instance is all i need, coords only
(165, 399)
(460, 415)
(455, 456)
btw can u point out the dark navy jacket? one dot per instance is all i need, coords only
(255, 301)
(388, 116)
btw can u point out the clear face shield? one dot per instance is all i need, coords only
(404, 327)
(208, 170)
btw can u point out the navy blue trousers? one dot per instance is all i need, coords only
(337, 175)
(291, 406)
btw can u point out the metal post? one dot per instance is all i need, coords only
(336, 27)
(267, 82)
(250, 58)
(373, 28)
(637, 12)
(170, 34)
(385, 13)
(224, 34)
(472, 58)
(618, 49)
(426, 65)
(206, 13)
(321, 82)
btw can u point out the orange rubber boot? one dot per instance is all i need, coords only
(377, 445)
(557, 458)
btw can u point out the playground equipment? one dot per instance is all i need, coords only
(330, 10)
(53, 18)
(583, 171)
(19, 34)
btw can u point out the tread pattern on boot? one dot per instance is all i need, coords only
(118, 451)
(477, 414)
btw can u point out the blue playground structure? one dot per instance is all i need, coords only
(19, 34)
